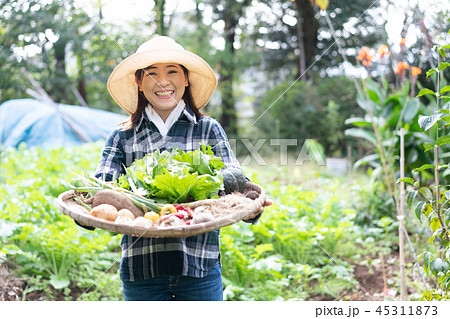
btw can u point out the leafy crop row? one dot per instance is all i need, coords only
(302, 246)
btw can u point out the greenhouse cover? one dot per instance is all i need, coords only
(50, 125)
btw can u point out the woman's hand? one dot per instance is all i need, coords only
(268, 202)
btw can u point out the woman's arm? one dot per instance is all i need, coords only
(221, 147)
(110, 165)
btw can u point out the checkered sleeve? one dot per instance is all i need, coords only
(221, 147)
(110, 165)
(220, 144)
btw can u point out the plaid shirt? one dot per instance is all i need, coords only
(144, 258)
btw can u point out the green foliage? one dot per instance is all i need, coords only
(305, 243)
(300, 247)
(43, 244)
(302, 111)
(431, 203)
(388, 111)
(175, 176)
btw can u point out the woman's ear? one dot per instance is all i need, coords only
(138, 84)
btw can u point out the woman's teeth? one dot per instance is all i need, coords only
(165, 93)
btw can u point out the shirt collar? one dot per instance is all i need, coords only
(187, 112)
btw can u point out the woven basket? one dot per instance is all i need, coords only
(71, 207)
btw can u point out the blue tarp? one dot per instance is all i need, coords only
(48, 125)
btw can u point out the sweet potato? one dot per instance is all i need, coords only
(105, 211)
(116, 199)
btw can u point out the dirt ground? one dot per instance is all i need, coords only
(370, 288)
(372, 283)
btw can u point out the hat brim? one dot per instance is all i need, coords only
(124, 90)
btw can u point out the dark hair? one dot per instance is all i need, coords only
(142, 101)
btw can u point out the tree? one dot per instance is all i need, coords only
(230, 12)
(296, 37)
(162, 20)
(62, 47)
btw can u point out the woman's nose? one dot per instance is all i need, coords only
(163, 80)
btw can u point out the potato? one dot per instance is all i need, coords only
(142, 222)
(105, 211)
(124, 220)
(126, 213)
(116, 199)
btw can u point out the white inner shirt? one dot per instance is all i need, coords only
(162, 126)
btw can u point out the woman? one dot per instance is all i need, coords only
(163, 87)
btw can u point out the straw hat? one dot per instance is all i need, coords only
(160, 49)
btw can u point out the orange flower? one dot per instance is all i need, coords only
(401, 67)
(363, 53)
(383, 50)
(403, 42)
(415, 71)
(364, 56)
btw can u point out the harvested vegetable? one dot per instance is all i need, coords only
(105, 211)
(123, 220)
(116, 199)
(233, 180)
(143, 222)
(202, 218)
(152, 216)
(125, 213)
(176, 176)
(169, 208)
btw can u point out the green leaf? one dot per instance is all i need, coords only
(445, 267)
(427, 122)
(178, 188)
(355, 132)
(424, 167)
(425, 191)
(445, 89)
(411, 197)
(436, 266)
(443, 140)
(411, 109)
(426, 261)
(408, 180)
(419, 210)
(428, 146)
(261, 249)
(59, 282)
(425, 91)
(435, 224)
(443, 66)
(431, 71)
(358, 121)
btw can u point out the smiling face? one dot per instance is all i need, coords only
(163, 84)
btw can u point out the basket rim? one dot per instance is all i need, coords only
(68, 206)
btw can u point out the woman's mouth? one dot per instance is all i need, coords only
(164, 93)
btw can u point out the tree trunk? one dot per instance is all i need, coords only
(161, 27)
(307, 35)
(60, 80)
(227, 71)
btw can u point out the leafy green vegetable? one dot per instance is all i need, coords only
(176, 176)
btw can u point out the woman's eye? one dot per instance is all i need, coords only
(151, 73)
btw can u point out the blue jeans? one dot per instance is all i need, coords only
(165, 288)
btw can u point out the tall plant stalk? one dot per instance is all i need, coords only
(389, 179)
